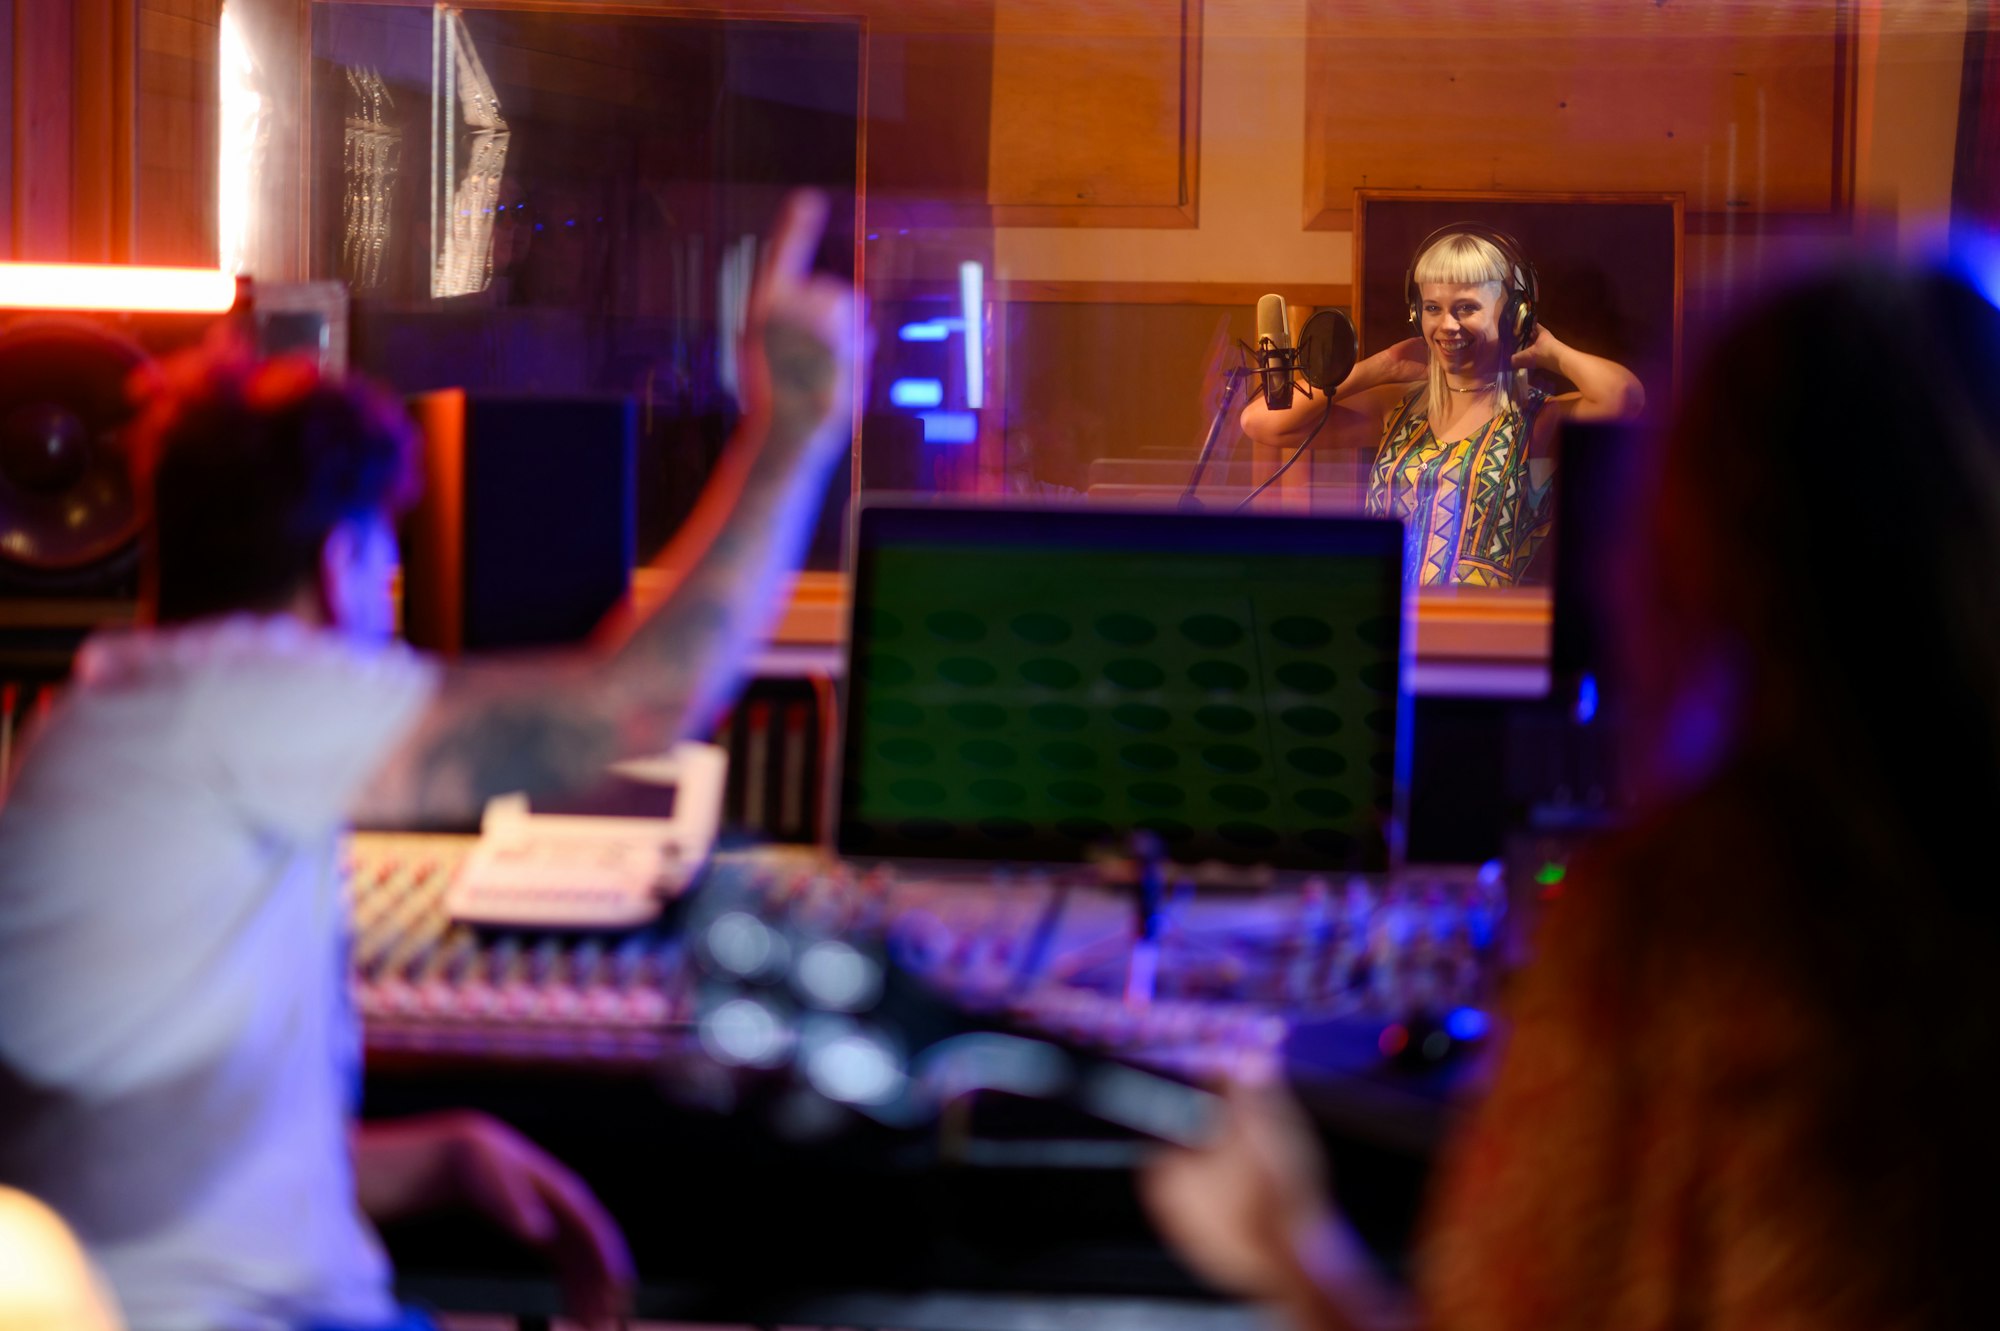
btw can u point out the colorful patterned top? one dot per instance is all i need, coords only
(1473, 512)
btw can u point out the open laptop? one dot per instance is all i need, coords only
(1028, 685)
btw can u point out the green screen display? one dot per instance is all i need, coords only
(1028, 702)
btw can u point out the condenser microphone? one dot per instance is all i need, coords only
(1275, 356)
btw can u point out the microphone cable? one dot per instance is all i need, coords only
(1297, 453)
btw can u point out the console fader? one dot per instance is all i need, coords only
(425, 984)
(1051, 952)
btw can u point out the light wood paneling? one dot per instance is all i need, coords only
(1305, 296)
(1745, 109)
(80, 90)
(1096, 113)
(43, 130)
(104, 55)
(175, 136)
(7, 86)
(1975, 179)
(928, 116)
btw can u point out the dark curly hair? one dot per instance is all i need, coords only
(250, 465)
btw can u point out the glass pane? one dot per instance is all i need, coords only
(559, 203)
(1065, 214)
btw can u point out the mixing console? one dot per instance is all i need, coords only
(1227, 976)
(426, 984)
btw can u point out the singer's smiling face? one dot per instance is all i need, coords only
(1462, 325)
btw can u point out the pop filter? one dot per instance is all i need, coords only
(67, 496)
(1326, 349)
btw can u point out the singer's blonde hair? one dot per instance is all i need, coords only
(1464, 260)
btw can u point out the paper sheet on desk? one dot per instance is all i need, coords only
(575, 871)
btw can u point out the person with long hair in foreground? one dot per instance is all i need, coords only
(1747, 1079)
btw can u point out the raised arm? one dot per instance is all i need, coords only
(1370, 389)
(552, 722)
(1605, 390)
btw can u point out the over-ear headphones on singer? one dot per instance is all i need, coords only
(1523, 289)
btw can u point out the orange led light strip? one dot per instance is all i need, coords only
(121, 287)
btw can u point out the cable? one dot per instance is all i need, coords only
(1297, 453)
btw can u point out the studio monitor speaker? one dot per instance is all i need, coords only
(524, 534)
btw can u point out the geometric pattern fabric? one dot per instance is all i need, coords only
(1471, 513)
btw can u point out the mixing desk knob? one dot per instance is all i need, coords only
(604, 1004)
(517, 1001)
(390, 998)
(562, 1003)
(435, 998)
(478, 1001)
(649, 1007)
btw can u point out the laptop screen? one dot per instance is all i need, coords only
(1028, 684)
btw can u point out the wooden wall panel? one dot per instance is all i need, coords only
(1304, 296)
(111, 155)
(7, 108)
(1744, 109)
(929, 113)
(1096, 113)
(103, 57)
(1061, 424)
(43, 72)
(176, 132)
(1976, 175)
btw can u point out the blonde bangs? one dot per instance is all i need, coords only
(1462, 260)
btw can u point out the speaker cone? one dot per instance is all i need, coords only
(67, 402)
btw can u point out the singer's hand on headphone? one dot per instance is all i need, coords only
(1544, 353)
(1404, 363)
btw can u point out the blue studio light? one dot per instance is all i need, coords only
(925, 330)
(1977, 254)
(1466, 1024)
(1586, 700)
(949, 427)
(917, 393)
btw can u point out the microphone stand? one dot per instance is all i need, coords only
(1230, 383)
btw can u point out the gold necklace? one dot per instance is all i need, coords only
(1476, 388)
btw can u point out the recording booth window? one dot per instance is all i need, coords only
(1067, 218)
(565, 205)
(1063, 219)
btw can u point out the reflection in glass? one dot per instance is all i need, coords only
(462, 249)
(371, 153)
(732, 303)
(566, 204)
(243, 134)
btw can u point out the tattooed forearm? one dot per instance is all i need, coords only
(552, 725)
(496, 728)
(533, 745)
(660, 675)
(683, 656)
(756, 514)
